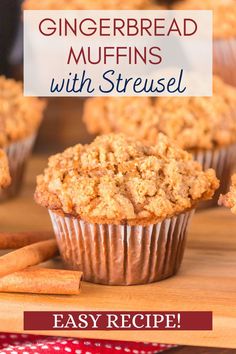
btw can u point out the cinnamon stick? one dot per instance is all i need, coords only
(27, 256)
(42, 281)
(15, 240)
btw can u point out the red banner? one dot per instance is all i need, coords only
(117, 320)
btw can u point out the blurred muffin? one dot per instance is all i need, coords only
(224, 31)
(88, 4)
(20, 118)
(205, 126)
(224, 19)
(194, 122)
(4, 171)
(229, 200)
(200, 122)
(119, 202)
(133, 116)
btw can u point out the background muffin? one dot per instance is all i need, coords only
(88, 4)
(4, 171)
(20, 118)
(200, 122)
(224, 31)
(134, 116)
(205, 126)
(229, 200)
(98, 194)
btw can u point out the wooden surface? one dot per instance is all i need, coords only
(206, 281)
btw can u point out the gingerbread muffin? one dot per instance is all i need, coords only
(4, 171)
(224, 22)
(229, 200)
(89, 5)
(204, 126)
(20, 118)
(120, 208)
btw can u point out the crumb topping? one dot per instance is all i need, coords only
(4, 170)
(229, 200)
(19, 116)
(193, 122)
(134, 116)
(224, 14)
(116, 179)
(88, 4)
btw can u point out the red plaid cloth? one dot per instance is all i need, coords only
(28, 344)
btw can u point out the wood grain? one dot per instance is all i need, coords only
(206, 281)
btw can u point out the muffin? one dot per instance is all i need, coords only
(120, 208)
(224, 22)
(4, 171)
(229, 200)
(89, 4)
(204, 126)
(20, 118)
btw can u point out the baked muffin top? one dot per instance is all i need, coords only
(117, 179)
(88, 4)
(224, 11)
(4, 170)
(19, 116)
(229, 200)
(200, 122)
(194, 122)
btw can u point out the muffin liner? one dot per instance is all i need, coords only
(17, 154)
(122, 254)
(225, 60)
(223, 161)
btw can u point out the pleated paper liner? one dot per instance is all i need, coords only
(223, 161)
(122, 254)
(225, 59)
(18, 154)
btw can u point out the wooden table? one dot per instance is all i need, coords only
(206, 281)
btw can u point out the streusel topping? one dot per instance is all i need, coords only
(134, 116)
(229, 200)
(88, 4)
(200, 122)
(117, 179)
(19, 116)
(194, 122)
(224, 14)
(4, 170)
